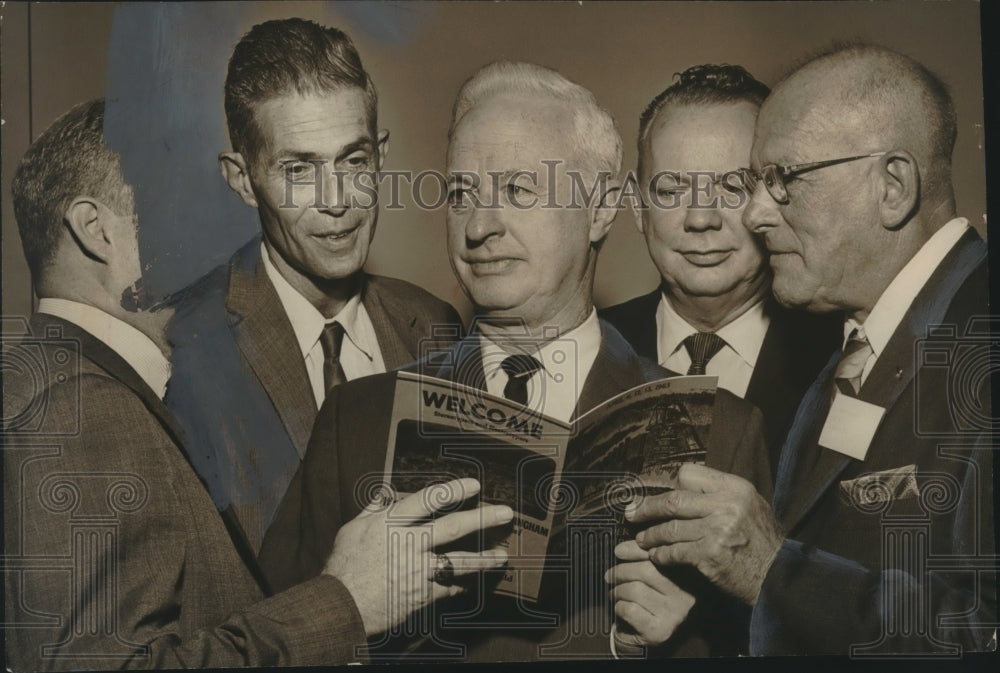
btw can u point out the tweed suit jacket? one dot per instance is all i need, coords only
(876, 561)
(345, 456)
(796, 347)
(115, 555)
(240, 389)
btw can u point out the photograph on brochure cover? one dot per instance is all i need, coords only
(446, 332)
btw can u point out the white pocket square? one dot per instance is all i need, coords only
(897, 483)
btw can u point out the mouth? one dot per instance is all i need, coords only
(491, 266)
(707, 257)
(337, 237)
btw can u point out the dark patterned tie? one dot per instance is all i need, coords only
(702, 347)
(331, 339)
(857, 350)
(519, 369)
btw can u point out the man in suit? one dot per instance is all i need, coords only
(260, 340)
(713, 312)
(883, 506)
(114, 554)
(529, 272)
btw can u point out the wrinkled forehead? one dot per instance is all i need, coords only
(803, 123)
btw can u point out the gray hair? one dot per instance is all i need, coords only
(594, 129)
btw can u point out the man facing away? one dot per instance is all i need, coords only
(524, 246)
(713, 312)
(259, 341)
(883, 505)
(114, 554)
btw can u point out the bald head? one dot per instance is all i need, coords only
(864, 98)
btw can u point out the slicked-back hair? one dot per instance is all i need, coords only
(704, 85)
(67, 161)
(289, 56)
(594, 129)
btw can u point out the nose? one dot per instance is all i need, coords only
(484, 222)
(703, 215)
(336, 193)
(761, 213)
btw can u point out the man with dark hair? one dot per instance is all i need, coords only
(881, 538)
(259, 341)
(114, 554)
(713, 312)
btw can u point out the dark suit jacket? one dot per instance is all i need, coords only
(114, 554)
(796, 347)
(864, 566)
(342, 457)
(240, 390)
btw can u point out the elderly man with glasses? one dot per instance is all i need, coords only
(880, 539)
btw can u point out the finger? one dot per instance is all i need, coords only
(426, 501)
(467, 562)
(675, 530)
(676, 554)
(631, 551)
(639, 618)
(626, 572)
(639, 593)
(695, 477)
(673, 504)
(457, 525)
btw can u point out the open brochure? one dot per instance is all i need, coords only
(549, 472)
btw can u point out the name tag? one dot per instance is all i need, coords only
(850, 426)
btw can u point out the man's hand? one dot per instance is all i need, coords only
(648, 602)
(384, 555)
(714, 521)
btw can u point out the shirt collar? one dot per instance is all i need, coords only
(895, 301)
(745, 335)
(308, 322)
(137, 349)
(557, 365)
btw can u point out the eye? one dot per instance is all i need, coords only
(515, 190)
(298, 170)
(358, 161)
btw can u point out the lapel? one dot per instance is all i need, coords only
(892, 374)
(111, 362)
(265, 337)
(643, 333)
(615, 370)
(774, 357)
(394, 324)
(461, 363)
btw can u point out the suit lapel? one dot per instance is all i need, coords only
(394, 323)
(892, 374)
(107, 359)
(615, 370)
(265, 337)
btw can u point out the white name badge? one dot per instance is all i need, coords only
(850, 426)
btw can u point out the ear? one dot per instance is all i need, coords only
(237, 176)
(604, 210)
(88, 221)
(633, 197)
(383, 147)
(901, 189)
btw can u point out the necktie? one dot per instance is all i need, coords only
(519, 369)
(702, 347)
(331, 339)
(857, 350)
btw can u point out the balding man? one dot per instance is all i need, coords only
(883, 502)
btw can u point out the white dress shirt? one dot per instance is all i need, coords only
(137, 349)
(895, 301)
(566, 362)
(733, 364)
(359, 352)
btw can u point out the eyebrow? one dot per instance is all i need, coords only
(306, 155)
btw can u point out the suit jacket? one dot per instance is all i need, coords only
(796, 347)
(885, 563)
(240, 389)
(114, 553)
(343, 458)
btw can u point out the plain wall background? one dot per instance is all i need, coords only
(163, 66)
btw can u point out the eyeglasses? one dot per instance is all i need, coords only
(775, 177)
